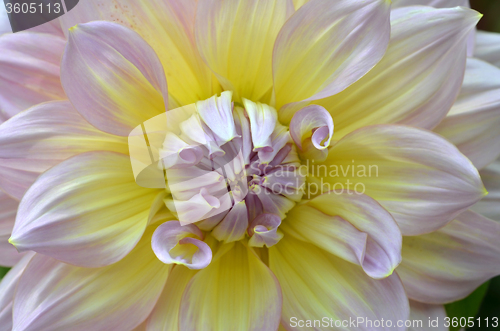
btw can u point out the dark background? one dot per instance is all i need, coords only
(490, 22)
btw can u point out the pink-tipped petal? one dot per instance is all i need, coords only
(234, 224)
(471, 40)
(488, 47)
(421, 315)
(419, 77)
(80, 211)
(8, 208)
(325, 47)
(419, 177)
(352, 226)
(312, 122)
(113, 77)
(489, 206)
(264, 230)
(340, 289)
(7, 291)
(235, 292)
(43, 136)
(29, 71)
(173, 244)
(165, 316)
(166, 25)
(447, 265)
(55, 296)
(472, 124)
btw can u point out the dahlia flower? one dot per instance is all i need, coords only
(310, 163)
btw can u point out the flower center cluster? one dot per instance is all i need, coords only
(230, 170)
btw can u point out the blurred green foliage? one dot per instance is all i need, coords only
(467, 307)
(3, 271)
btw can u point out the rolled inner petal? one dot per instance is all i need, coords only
(264, 230)
(311, 129)
(174, 243)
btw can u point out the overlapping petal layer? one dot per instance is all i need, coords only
(351, 226)
(165, 316)
(448, 264)
(419, 77)
(43, 136)
(55, 296)
(29, 71)
(113, 77)
(316, 284)
(420, 178)
(80, 211)
(473, 121)
(489, 206)
(239, 47)
(166, 25)
(235, 292)
(7, 291)
(325, 47)
(488, 47)
(424, 313)
(8, 207)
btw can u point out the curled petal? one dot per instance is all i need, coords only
(488, 47)
(325, 47)
(340, 289)
(419, 77)
(176, 153)
(270, 202)
(127, 79)
(279, 138)
(234, 224)
(264, 230)
(352, 226)
(419, 177)
(200, 206)
(464, 254)
(80, 211)
(29, 71)
(262, 123)
(473, 121)
(312, 120)
(172, 243)
(237, 291)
